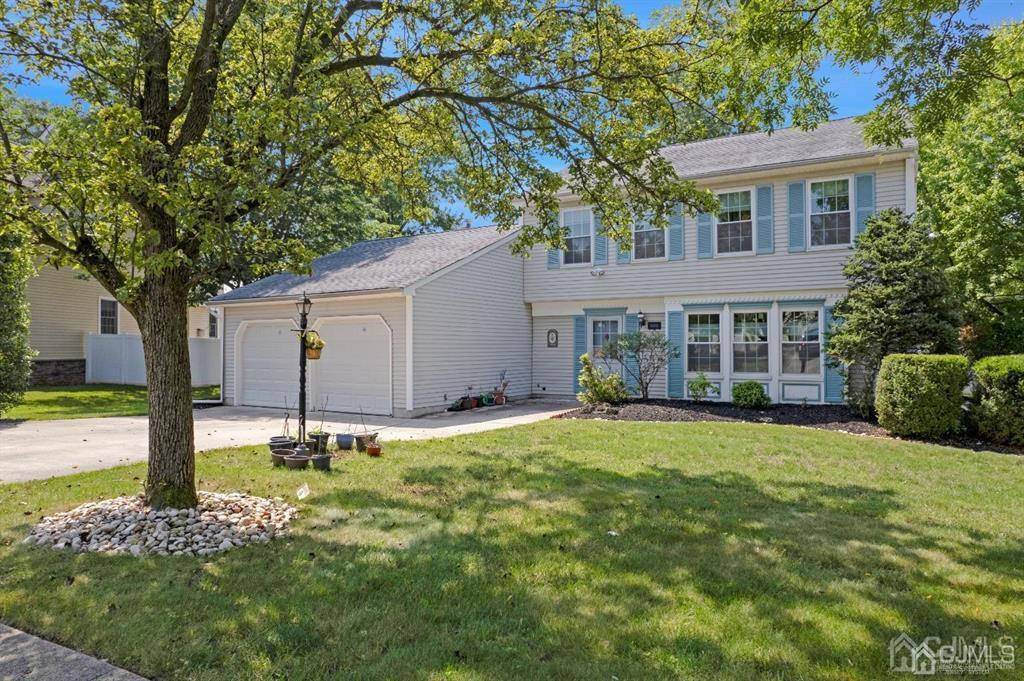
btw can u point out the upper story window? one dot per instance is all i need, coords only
(578, 238)
(213, 326)
(830, 212)
(108, 316)
(648, 241)
(801, 342)
(750, 342)
(735, 225)
(703, 343)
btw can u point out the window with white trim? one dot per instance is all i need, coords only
(577, 225)
(830, 212)
(750, 342)
(703, 342)
(602, 333)
(108, 316)
(801, 342)
(735, 229)
(648, 241)
(213, 326)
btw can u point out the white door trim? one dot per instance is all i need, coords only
(236, 391)
(314, 374)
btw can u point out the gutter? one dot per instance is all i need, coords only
(292, 297)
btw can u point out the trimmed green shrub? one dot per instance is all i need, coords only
(921, 395)
(599, 387)
(999, 407)
(750, 395)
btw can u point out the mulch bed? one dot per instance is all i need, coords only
(825, 417)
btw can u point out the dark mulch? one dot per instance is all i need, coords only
(826, 417)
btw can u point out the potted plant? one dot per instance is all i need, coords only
(299, 459)
(501, 388)
(373, 447)
(364, 440)
(320, 438)
(314, 345)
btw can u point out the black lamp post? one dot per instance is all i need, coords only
(303, 308)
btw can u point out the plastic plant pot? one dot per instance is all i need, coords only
(373, 449)
(322, 462)
(345, 441)
(294, 462)
(277, 456)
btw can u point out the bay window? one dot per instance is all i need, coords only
(703, 343)
(750, 342)
(801, 342)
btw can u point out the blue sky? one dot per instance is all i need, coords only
(853, 93)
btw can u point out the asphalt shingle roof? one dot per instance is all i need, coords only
(842, 138)
(376, 265)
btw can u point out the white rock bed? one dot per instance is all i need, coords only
(125, 525)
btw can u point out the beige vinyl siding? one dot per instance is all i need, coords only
(198, 322)
(553, 367)
(392, 309)
(781, 270)
(64, 306)
(468, 325)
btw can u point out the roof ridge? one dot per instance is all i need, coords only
(757, 132)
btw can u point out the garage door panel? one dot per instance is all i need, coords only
(270, 365)
(354, 372)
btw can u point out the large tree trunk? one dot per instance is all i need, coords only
(163, 322)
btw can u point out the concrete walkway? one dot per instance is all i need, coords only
(23, 656)
(31, 450)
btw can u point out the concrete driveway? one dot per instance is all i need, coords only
(31, 450)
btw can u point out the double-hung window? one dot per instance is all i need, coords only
(603, 333)
(577, 225)
(830, 212)
(750, 342)
(108, 316)
(703, 343)
(801, 342)
(735, 230)
(213, 326)
(648, 242)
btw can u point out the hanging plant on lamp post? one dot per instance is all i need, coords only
(314, 345)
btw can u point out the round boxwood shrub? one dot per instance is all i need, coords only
(750, 395)
(921, 395)
(999, 407)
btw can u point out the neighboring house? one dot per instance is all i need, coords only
(69, 311)
(745, 294)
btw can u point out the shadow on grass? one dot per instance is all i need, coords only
(507, 569)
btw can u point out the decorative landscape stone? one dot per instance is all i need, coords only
(126, 526)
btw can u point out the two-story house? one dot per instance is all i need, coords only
(744, 294)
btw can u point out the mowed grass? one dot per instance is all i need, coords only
(739, 551)
(47, 403)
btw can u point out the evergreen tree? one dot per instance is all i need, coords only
(899, 300)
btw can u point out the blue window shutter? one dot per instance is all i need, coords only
(797, 220)
(833, 376)
(554, 258)
(632, 325)
(864, 196)
(675, 364)
(622, 257)
(705, 248)
(675, 234)
(600, 242)
(765, 223)
(579, 347)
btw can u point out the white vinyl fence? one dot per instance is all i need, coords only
(118, 359)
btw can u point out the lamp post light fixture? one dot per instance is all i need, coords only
(302, 307)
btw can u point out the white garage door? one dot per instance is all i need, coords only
(270, 365)
(354, 371)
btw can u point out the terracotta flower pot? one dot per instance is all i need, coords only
(373, 449)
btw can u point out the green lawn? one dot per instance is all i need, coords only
(96, 399)
(742, 551)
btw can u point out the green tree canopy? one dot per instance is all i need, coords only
(898, 301)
